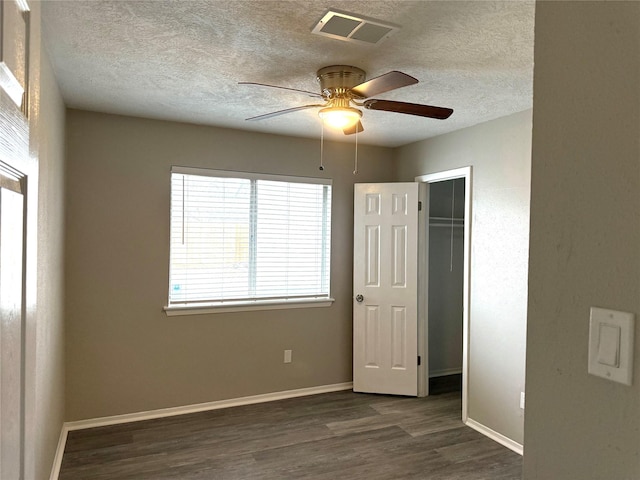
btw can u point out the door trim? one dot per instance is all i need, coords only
(12, 180)
(423, 278)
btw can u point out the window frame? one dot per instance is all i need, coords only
(225, 306)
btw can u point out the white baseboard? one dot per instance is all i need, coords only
(495, 436)
(444, 372)
(201, 407)
(57, 459)
(168, 412)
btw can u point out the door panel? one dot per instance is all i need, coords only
(13, 50)
(399, 256)
(372, 255)
(372, 337)
(385, 275)
(399, 358)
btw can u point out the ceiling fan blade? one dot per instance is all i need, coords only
(383, 83)
(311, 94)
(439, 113)
(282, 112)
(355, 128)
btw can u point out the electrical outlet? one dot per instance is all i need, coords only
(522, 400)
(287, 356)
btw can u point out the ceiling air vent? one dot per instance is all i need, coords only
(352, 28)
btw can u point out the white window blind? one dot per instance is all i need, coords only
(245, 237)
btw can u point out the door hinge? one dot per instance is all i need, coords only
(419, 206)
(419, 360)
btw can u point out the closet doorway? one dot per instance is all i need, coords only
(443, 290)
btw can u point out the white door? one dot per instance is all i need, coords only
(15, 167)
(385, 357)
(11, 326)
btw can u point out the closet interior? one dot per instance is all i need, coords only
(446, 261)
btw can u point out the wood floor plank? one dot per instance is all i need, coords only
(469, 451)
(320, 437)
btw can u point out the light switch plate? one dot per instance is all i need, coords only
(611, 336)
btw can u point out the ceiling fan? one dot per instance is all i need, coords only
(343, 88)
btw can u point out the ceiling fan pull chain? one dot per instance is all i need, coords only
(355, 166)
(321, 168)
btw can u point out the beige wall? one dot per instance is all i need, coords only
(585, 238)
(50, 402)
(500, 154)
(123, 353)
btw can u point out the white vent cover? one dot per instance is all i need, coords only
(352, 28)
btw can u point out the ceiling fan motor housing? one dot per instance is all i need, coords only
(338, 79)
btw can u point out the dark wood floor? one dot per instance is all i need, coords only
(328, 436)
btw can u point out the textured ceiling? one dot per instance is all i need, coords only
(181, 60)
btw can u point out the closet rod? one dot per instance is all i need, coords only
(446, 222)
(448, 225)
(446, 219)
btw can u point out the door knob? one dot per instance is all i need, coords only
(359, 298)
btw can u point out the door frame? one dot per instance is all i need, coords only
(13, 181)
(423, 279)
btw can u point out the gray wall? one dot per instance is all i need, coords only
(500, 153)
(585, 235)
(124, 354)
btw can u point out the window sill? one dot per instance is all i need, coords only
(246, 306)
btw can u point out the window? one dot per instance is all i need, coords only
(241, 240)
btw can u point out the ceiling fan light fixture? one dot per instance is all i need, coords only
(340, 117)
